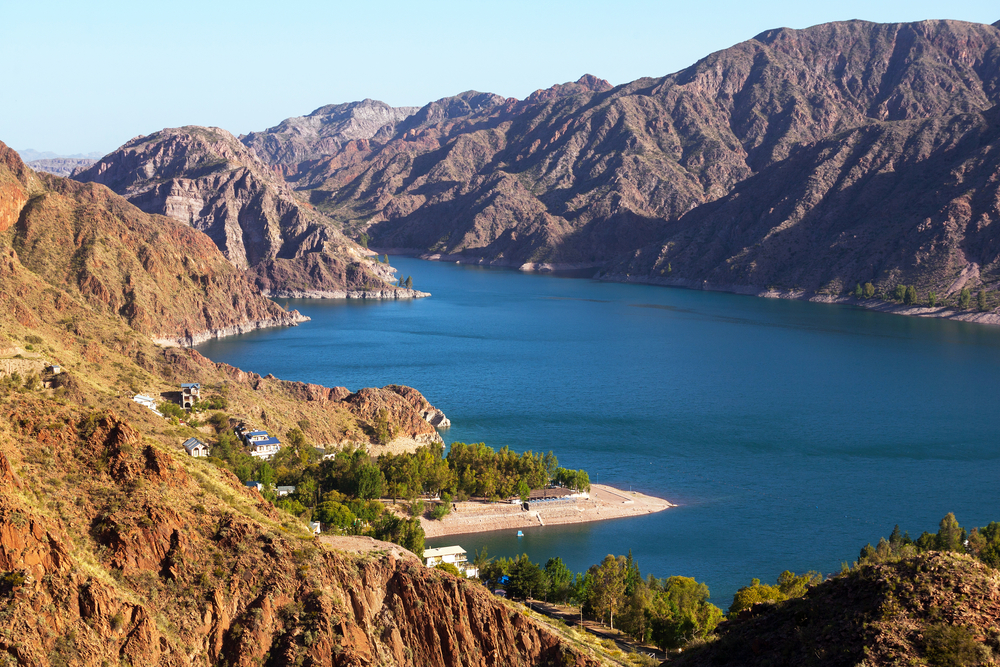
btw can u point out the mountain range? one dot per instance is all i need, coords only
(811, 158)
(800, 162)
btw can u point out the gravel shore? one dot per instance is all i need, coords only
(605, 502)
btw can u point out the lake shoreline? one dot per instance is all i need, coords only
(582, 270)
(605, 502)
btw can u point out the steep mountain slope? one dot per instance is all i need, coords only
(587, 176)
(937, 609)
(909, 202)
(117, 548)
(207, 179)
(165, 280)
(325, 130)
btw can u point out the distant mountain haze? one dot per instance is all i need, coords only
(804, 161)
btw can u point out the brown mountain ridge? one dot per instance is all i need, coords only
(207, 179)
(745, 171)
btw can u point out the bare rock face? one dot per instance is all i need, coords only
(16, 180)
(776, 141)
(164, 279)
(147, 564)
(325, 130)
(207, 179)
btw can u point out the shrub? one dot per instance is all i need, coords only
(449, 568)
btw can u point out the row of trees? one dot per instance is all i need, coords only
(981, 543)
(668, 612)
(789, 586)
(474, 471)
(907, 295)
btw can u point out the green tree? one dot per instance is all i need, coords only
(858, 292)
(910, 297)
(981, 300)
(383, 429)
(335, 514)
(792, 586)
(899, 293)
(559, 577)
(950, 535)
(369, 481)
(932, 299)
(407, 533)
(409, 282)
(523, 491)
(449, 568)
(869, 290)
(755, 593)
(964, 297)
(527, 580)
(608, 589)
(385, 259)
(364, 239)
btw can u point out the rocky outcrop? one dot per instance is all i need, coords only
(430, 414)
(325, 131)
(162, 278)
(403, 407)
(61, 166)
(146, 562)
(327, 275)
(205, 178)
(16, 181)
(936, 607)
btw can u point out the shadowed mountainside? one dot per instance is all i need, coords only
(810, 159)
(937, 609)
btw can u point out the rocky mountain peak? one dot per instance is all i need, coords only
(587, 83)
(325, 130)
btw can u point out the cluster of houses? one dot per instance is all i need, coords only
(261, 444)
(455, 555)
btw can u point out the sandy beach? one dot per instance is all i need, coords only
(605, 502)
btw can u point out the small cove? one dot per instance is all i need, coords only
(789, 433)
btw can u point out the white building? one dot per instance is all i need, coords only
(455, 555)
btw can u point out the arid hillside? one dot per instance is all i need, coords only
(933, 609)
(116, 547)
(205, 178)
(801, 160)
(162, 278)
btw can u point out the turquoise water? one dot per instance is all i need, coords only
(789, 433)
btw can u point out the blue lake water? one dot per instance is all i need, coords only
(789, 433)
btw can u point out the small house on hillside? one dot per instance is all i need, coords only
(196, 447)
(455, 555)
(190, 394)
(265, 447)
(283, 491)
(315, 527)
(147, 402)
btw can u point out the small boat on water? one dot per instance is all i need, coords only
(520, 534)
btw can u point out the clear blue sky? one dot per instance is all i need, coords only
(83, 77)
